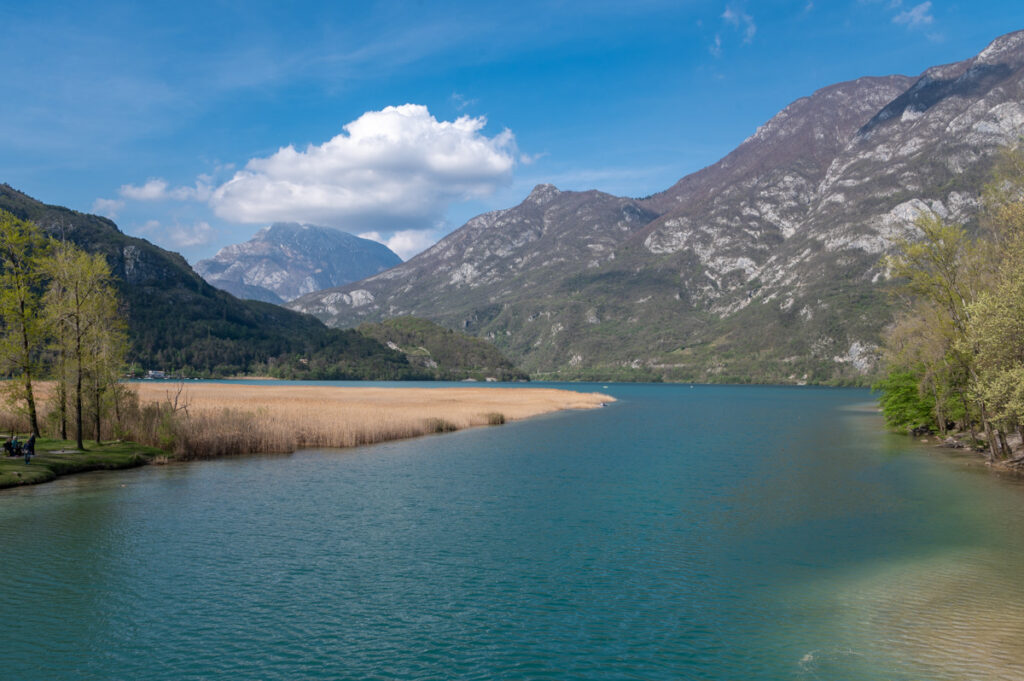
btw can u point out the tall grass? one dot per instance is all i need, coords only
(207, 420)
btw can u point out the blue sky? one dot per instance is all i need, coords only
(193, 124)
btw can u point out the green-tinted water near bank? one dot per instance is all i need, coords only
(681, 533)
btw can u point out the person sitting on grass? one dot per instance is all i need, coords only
(30, 448)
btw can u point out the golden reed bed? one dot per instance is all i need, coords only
(214, 419)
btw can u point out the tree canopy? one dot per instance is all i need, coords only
(959, 341)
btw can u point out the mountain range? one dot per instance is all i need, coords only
(765, 266)
(286, 260)
(179, 323)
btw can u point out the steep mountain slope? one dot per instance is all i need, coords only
(764, 266)
(179, 322)
(510, 253)
(286, 260)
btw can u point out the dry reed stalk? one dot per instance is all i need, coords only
(215, 419)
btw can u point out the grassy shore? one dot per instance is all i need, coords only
(209, 420)
(59, 457)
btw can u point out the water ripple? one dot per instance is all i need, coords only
(651, 541)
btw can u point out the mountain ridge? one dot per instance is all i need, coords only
(764, 266)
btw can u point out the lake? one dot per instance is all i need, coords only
(707, 532)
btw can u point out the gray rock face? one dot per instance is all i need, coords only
(764, 265)
(286, 260)
(507, 253)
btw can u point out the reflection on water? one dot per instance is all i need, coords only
(707, 533)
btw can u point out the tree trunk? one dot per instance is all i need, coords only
(990, 437)
(117, 407)
(97, 417)
(78, 390)
(62, 402)
(968, 421)
(940, 414)
(1004, 446)
(62, 385)
(29, 397)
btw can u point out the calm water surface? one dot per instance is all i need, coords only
(683, 533)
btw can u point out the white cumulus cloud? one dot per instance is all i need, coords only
(184, 236)
(407, 242)
(390, 170)
(107, 207)
(154, 190)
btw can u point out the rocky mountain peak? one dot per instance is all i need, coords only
(963, 81)
(543, 193)
(1006, 49)
(286, 260)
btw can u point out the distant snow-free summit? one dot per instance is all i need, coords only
(287, 260)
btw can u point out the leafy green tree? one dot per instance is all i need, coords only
(24, 330)
(996, 335)
(943, 273)
(903, 404)
(105, 359)
(961, 338)
(82, 303)
(919, 343)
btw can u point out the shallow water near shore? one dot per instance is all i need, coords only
(681, 533)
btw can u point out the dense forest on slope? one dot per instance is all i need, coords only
(449, 355)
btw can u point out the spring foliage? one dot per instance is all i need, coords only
(956, 352)
(60, 317)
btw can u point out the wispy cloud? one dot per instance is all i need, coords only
(461, 102)
(191, 236)
(530, 159)
(716, 47)
(915, 17)
(158, 189)
(739, 19)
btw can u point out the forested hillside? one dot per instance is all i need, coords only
(177, 322)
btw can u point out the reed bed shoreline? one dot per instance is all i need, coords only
(189, 421)
(212, 419)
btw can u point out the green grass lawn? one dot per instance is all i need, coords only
(59, 457)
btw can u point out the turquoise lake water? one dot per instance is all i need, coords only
(726, 533)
